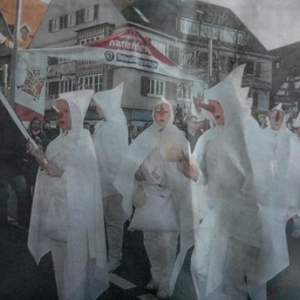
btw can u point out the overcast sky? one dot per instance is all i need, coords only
(275, 23)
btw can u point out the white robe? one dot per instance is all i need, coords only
(110, 137)
(239, 229)
(285, 150)
(178, 187)
(73, 205)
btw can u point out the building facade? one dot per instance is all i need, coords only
(207, 41)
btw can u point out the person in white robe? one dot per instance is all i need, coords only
(194, 122)
(285, 160)
(234, 252)
(67, 214)
(155, 187)
(296, 130)
(111, 143)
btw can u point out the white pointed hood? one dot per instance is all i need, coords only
(110, 101)
(199, 115)
(78, 102)
(230, 95)
(297, 121)
(278, 107)
(283, 127)
(163, 100)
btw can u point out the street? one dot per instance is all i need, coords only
(22, 279)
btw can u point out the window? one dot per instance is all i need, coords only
(189, 27)
(174, 53)
(53, 89)
(226, 35)
(89, 14)
(193, 58)
(61, 60)
(255, 99)
(54, 25)
(209, 31)
(94, 82)
(183, 91)
(253, 68)
(66, 85)
(223, 63)
(242, 37)
(152, 87)
(71, 19)
(156, 88)
(91, 39)
(161, 47)
(257, 68)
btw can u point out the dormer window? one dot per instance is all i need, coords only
(71, 19)
(89, 14)
(54, 25)
(190, 27)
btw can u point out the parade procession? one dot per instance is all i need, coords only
(150, 149)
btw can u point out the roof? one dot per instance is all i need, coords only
(29, 19)
(165, 19)
(254, 82)
(68, 36)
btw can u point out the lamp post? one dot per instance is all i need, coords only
(15, 50)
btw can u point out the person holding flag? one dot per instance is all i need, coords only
(67, 217)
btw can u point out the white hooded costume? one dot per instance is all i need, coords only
(111, 143)
(67, 213)
(160, 218)
(286, 158)
(295, 176)
(235, 239)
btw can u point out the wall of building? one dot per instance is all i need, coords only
(132, 96)
(263, 100)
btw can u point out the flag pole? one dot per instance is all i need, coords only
(15, 50)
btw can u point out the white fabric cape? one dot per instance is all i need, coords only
(235, 190)
(285, 150)
(110, 137)
(86, 247)
(180, 187)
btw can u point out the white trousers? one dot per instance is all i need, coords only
(114, 217)
(235, 285)
(161, 248)
(59, 254)
(296, 224)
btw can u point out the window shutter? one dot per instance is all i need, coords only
(66, 21)
(54, 88)
(171, 91)
(174, 53)
(61, 22)
(96, 10)
(257, 69)
(79, 16)
(145, 85)
(50, 25)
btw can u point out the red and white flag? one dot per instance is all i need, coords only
(30, 86)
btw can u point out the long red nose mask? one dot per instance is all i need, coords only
(208, 107)
(278, 116)
(57, 112)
